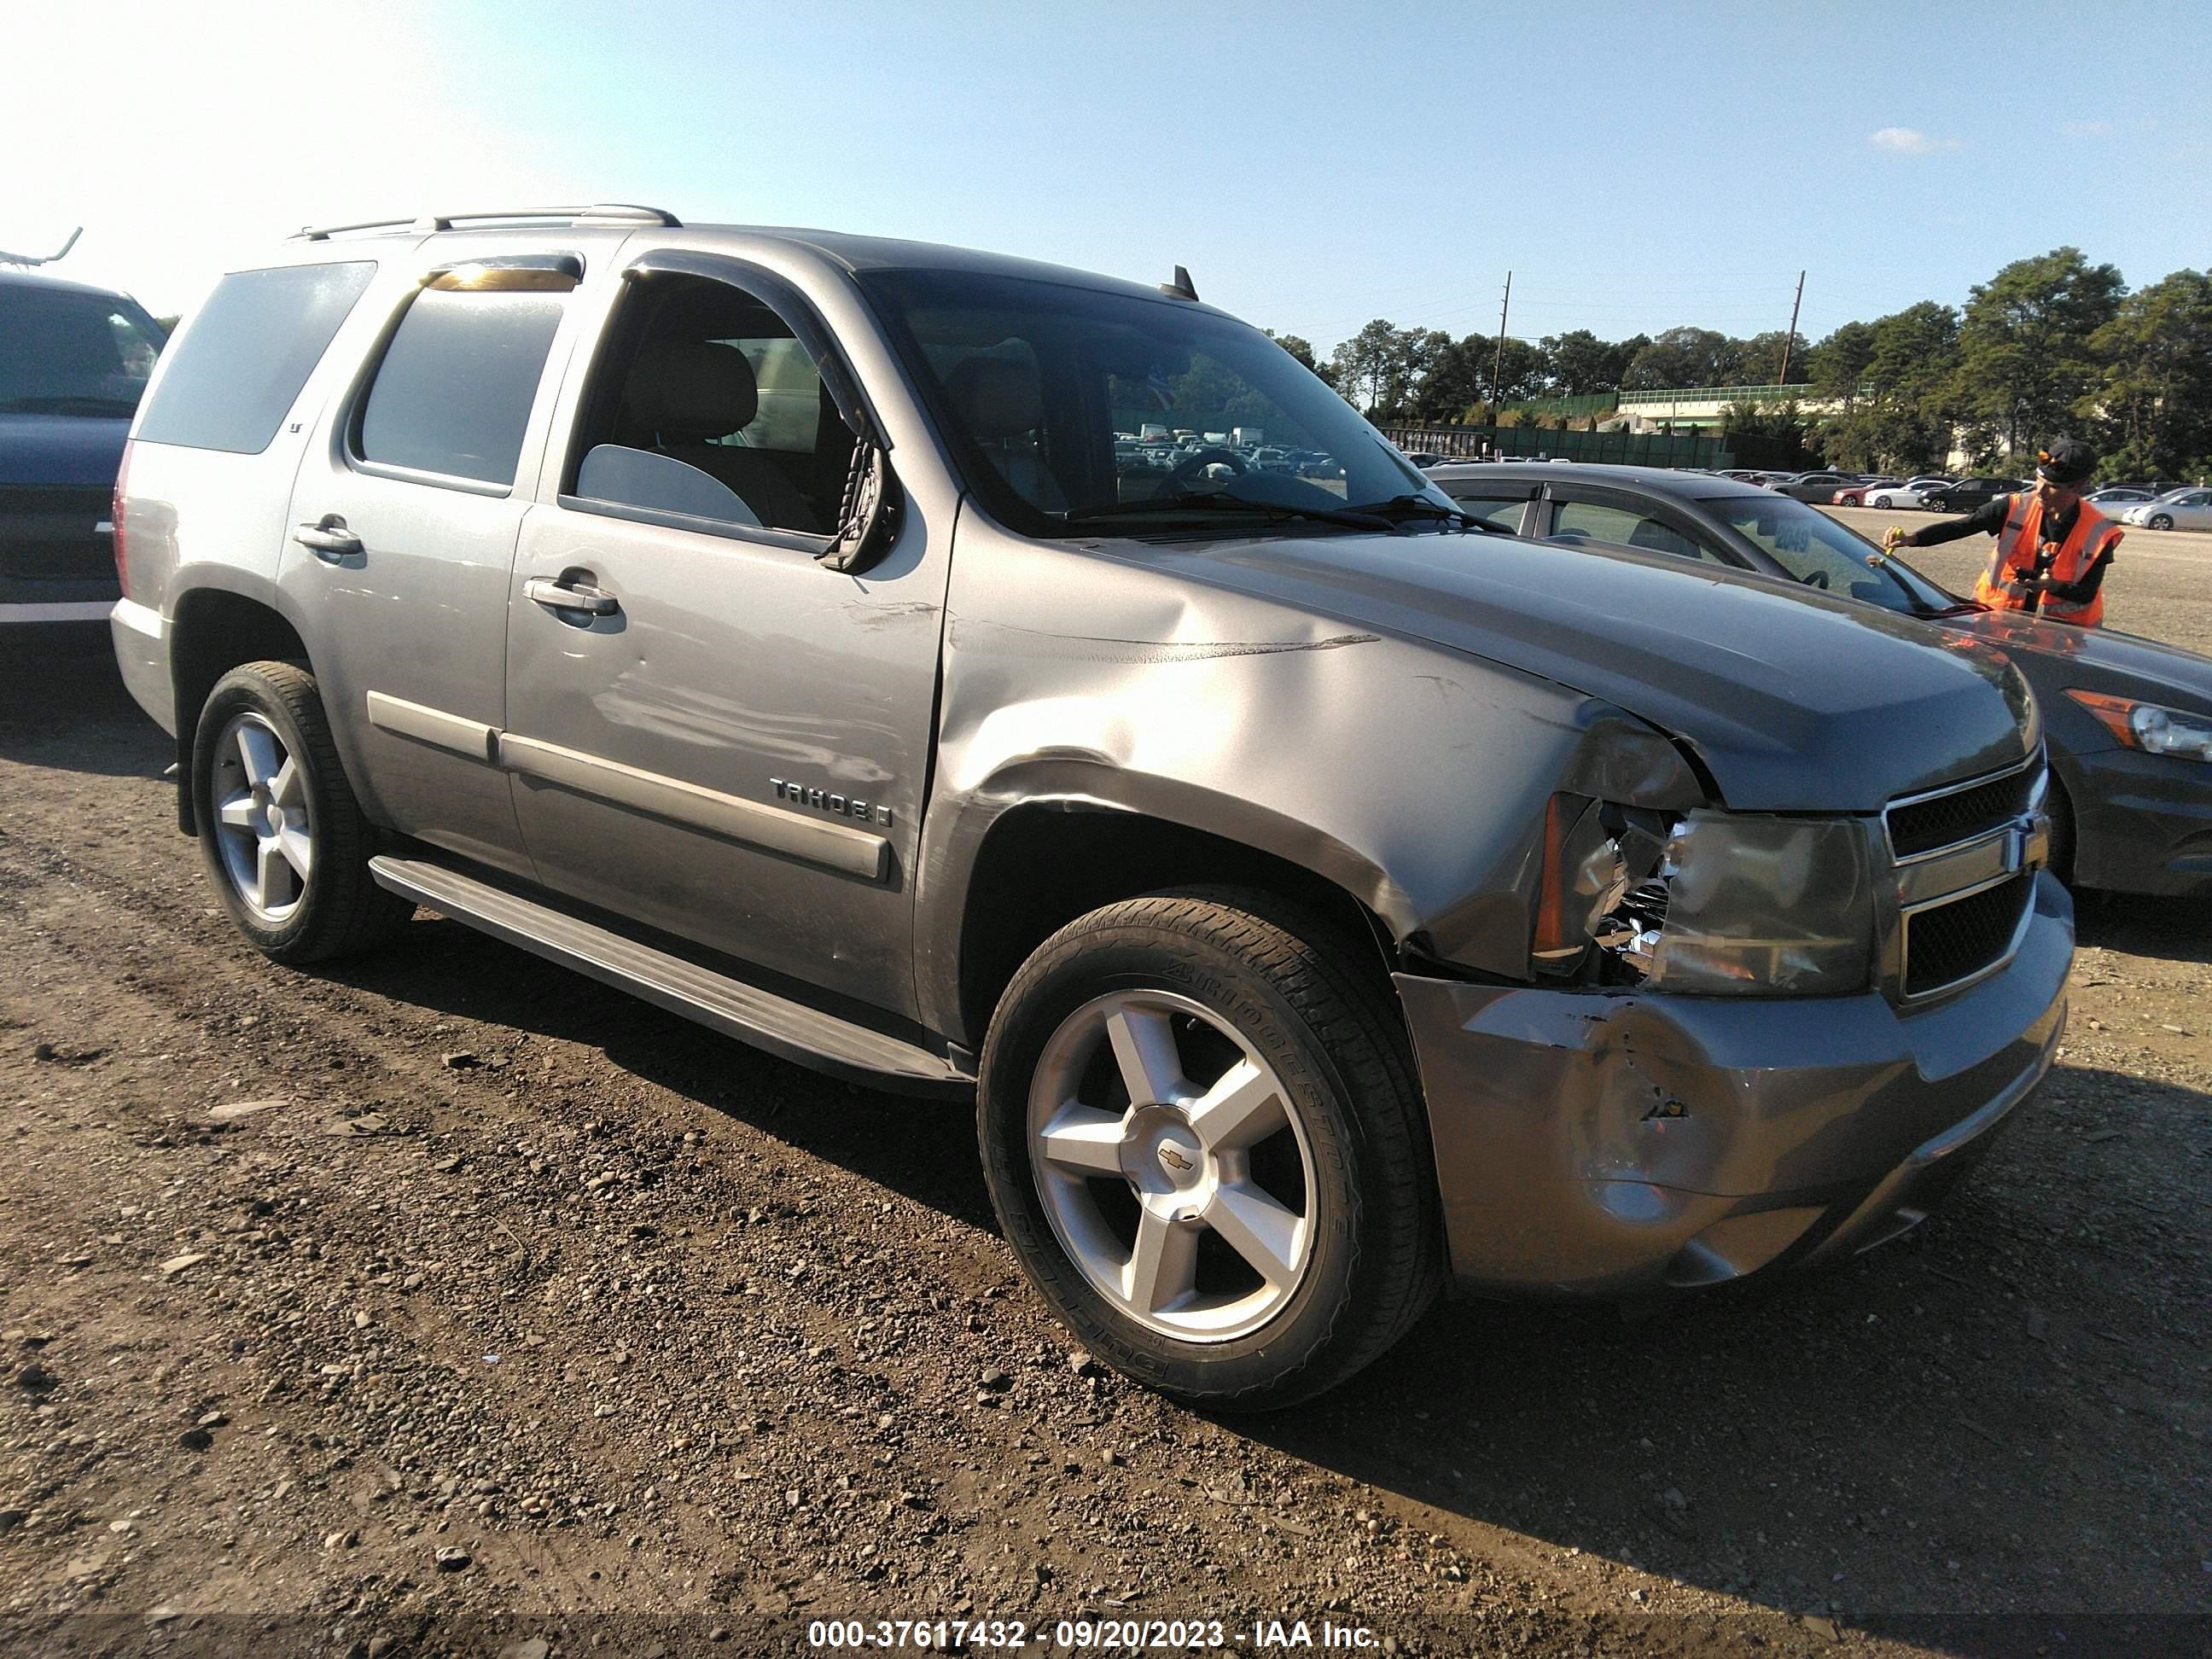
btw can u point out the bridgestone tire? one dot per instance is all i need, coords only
(1296, 992)
(339, 910)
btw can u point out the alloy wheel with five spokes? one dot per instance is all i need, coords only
(1173, 1165)
(282, 833)
(264, 829)
(1202, 1134)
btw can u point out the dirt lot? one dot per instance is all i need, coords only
(309, 1278)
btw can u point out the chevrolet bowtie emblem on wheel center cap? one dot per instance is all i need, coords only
(1178, 1161)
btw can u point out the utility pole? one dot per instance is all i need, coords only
(1498, 358)
(1791, 339)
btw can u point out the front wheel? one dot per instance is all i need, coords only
(1881, 501)
(1203, 1137)
(2161, 521)
(283, 839)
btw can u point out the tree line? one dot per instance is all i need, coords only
(2049, 344)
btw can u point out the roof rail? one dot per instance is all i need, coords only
(599, 213)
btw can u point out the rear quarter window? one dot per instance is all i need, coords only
(453, 394)
(240, 363)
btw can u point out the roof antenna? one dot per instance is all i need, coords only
(1180, 289)
(7, 259)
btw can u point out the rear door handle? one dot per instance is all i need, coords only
(569, 596)
(328, 538)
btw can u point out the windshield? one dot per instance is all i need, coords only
(67, 353)
(1822, 554)
(1070, 409)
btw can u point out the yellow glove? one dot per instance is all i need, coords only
(1892, 539)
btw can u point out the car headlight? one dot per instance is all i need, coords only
(1705, 903)
(2146, 727)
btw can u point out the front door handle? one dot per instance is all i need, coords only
(328, 538)
(569, 596)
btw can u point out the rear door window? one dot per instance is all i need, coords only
(453, 391)
(239, 364)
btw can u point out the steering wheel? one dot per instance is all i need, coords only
(1814, 578)
(1180, 475)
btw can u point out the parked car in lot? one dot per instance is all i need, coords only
(2110, 500)
(1683, 934)
(1855, 495)
(2128, 720)
(74, 359)
(2178, 509)
(1912, 493)
(1968, 494)
(1820, 487)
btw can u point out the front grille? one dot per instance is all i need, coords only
(1922, 826)
(47, 532)
(1947, 943)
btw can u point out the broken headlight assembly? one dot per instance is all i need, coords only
(1703, 901)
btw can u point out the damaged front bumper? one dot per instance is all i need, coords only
(1593, 1143)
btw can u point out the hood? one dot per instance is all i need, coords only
(70, 450)
(1793, 703)
(2055, 656)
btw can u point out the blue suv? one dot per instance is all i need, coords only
(74, 361)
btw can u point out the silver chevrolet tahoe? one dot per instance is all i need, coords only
(1321, 896)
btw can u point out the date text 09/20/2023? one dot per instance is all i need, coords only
(1077, 1634)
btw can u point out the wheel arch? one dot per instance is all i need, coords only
(1015, 874)
(212, 630)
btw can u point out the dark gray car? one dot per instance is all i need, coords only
(764, 622)
(2129, 719)
(1815, 486)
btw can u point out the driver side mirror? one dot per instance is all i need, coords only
(868, 516)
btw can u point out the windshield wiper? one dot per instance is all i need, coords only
(1420, 507)
(1216, 500)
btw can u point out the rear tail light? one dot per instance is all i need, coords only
(115, 519)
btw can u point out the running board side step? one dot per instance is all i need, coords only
(788, 1030)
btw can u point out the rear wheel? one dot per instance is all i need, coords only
(283, 839)
(1203, 1137)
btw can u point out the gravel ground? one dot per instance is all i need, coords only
(443, 1301)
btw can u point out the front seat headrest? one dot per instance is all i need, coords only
(687, 390)
(996, 396)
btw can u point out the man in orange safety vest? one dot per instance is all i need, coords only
(2053, 548)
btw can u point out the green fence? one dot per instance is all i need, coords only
(1619, 448)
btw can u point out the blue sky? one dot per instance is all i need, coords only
(1314, 166)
